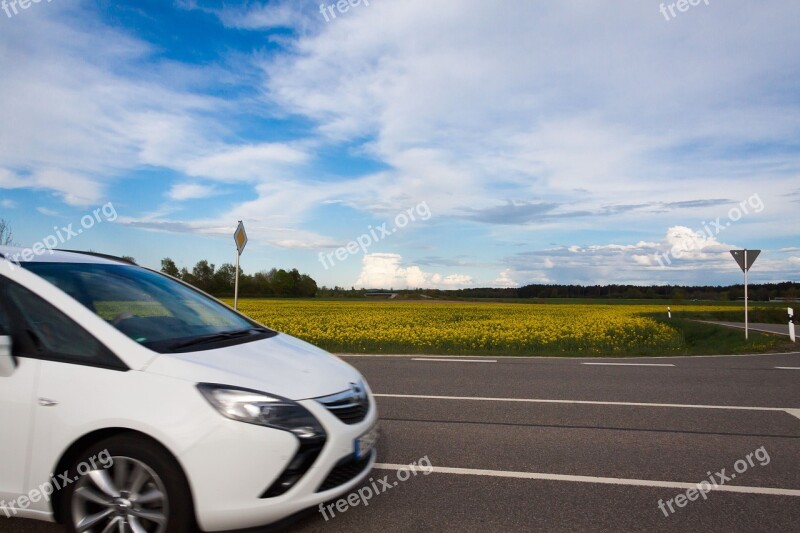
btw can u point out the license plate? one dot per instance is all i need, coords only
(366, 442)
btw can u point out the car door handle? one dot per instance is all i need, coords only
(44, 402)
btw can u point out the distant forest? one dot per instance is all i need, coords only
(758, 292)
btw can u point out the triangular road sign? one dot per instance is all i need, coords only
(751, 258)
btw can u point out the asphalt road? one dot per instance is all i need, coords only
(557, 444)
(780, 329)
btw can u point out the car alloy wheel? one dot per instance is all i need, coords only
(127, 497)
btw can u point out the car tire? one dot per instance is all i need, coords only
(127, 483)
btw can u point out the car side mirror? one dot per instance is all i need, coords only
(7, 363)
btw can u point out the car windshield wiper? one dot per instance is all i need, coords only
(216, 337)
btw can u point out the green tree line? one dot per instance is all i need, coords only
(220, 281)
(757, 292)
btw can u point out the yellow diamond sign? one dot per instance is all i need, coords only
(240, 236)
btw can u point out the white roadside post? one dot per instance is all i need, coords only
(240, 237)
(791, 325)
(669, 312)
(745, 258)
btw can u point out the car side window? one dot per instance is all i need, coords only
(50, 334)
(5, 324)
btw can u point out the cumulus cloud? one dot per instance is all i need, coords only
(682, 256)
(685, 243)
(504, 280)
(386, 271)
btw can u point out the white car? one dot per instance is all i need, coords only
(130, 401)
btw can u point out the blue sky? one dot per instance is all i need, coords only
(548, 142)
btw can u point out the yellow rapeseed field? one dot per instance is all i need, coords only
(471, 328)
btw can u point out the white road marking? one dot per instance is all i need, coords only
(455, 360)
(592, 479)
(628, 364)
(788, 367)
(563, 358)
(790, 410)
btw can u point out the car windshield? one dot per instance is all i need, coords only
(150, 308)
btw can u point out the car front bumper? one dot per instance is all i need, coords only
(231, 467)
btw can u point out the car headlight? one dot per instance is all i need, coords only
(254, 407)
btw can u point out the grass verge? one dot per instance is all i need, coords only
(709, 339)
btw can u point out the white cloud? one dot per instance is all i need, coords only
(681, 248)
(267, 16)
(687, 244)
(580, 123)
(7, 204)
(190, 191)
(81, 124)
(504, 280)
(250, 162)
(47, 212)
(9, 180)
(74, 189)
(257, 231)
(385, 271)
(681, 257)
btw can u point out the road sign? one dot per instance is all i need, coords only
(745, 258)
(240, 236)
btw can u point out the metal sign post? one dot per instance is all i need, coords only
(745, 258)
(240, 237)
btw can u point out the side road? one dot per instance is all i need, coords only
(779, 329)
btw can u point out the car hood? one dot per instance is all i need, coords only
(282, 365)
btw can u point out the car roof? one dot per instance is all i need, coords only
(26, 255)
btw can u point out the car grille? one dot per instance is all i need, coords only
(351, 406)
(347, 470)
